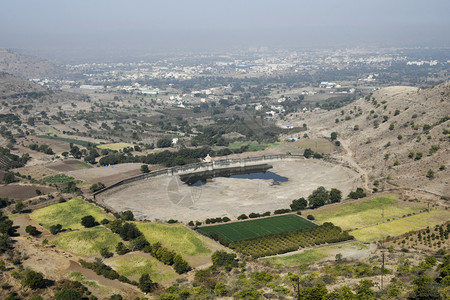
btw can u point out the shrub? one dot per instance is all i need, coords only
(88, 221)
(33, 280)
(104, 252)
(146, 284)
(55, 229)
(310, 217)
(127, 215)
(145, 169)
(67, 294)
(32, 230)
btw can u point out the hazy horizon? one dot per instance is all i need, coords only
(103, 27)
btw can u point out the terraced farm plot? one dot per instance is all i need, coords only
(365, 213)
(314, 255)
(68, 214)
(401, 226)
(87, 241)
(133, 265)
(59, 178)
(68, 140)
(176, 237)
(259, 227)
(114, 146)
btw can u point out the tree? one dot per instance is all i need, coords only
(222, 258)
(121, 249)
(128, 215)
(144, 169)
(139, 243)
(88, 221)
(430, 174)
(146, 284)
(164, 142)
(32, 230)
(220, 289)
(333, 136)
(299, 204)
(180, 265)
(308, 153)
(335, 195)
(318, 197)
(19, 206)
(129, 231)
(8, 177)
(104, 252)
(54, 229)
(33, 280)
(96, 187)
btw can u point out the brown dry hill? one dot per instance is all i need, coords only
(391, 124)
(27, 66)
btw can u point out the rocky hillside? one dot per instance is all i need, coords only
(27, 66)
(396, 135)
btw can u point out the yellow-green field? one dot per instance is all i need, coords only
(313, 255)
(68, 214)
(363, 213)
(401, 226)
(177, 238)
(133, 265)
(87, 241)
(114, 146)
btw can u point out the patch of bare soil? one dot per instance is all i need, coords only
(107, 175)
(21, 191)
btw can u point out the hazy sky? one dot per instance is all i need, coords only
(139, 25)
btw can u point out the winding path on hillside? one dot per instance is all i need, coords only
(349, 157)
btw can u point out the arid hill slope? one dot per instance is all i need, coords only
(384, 129)
(27, 66)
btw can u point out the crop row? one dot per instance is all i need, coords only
(290, 241)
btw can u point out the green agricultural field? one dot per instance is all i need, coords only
(114, 146)
(364, 213)
(175, 237)
(58, 178)
(401, 226)
(313, 255)
(87, 241)
(252, 146)
(316, 145)
(68, 140)
(133, 265)
(259, 227)
(68, 214)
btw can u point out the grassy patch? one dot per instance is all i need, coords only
(364, 213)
(88, 241)
(77, 276)
(68, 140)
(175, 237)
(401, 226)
(306, 257)
(68, 214)
(252, 146)
(312, 255)
(78, 165)
(259, 227)
(133, 266)
(57, 179)
(114, 146)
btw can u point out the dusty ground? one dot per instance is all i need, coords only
(166, 198)
(107, 175)
(20, 191)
